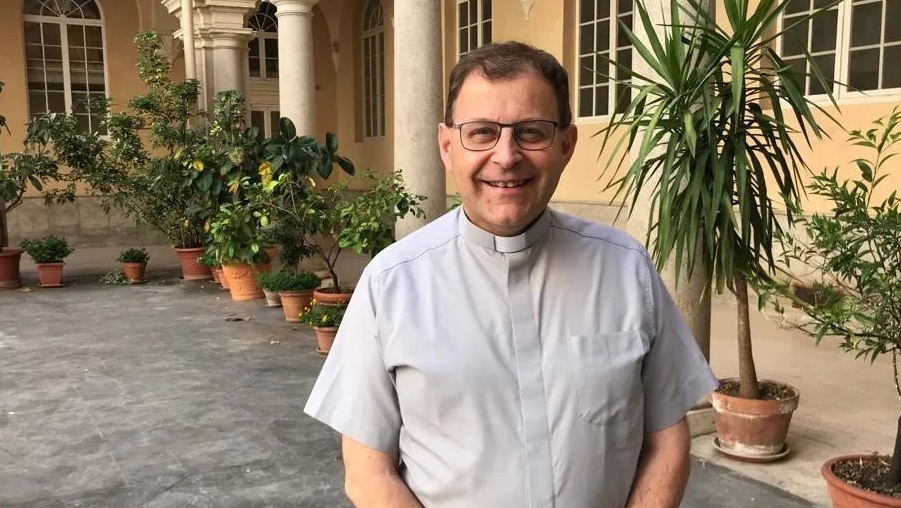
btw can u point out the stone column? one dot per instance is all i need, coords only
(418, 108)
(187, 28)
(296, 78)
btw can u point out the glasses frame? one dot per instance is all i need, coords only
(501, 127)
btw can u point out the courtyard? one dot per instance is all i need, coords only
(171, 394)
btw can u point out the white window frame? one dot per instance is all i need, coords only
(842, 55)
(64, 22)
(479, 25)
(374, 121)
(611, 92)
(267, 120)
(262, 37)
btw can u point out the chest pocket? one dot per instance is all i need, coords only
(607, 376)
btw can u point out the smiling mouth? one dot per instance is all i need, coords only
(508, 184)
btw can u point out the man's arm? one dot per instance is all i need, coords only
(371, 479)
(663, 468)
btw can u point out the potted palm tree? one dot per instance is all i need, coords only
(853, 247)
(710, 136)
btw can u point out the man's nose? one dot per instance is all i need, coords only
(506, 152)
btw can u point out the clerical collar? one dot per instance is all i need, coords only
(505, 244)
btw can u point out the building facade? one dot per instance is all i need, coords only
(374, 72)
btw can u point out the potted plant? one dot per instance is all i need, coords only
(48, 254)
(134, 263)
(711, 161)
(853, 250)
(294, 289)
(362, 221)
(325, 320)
(208, 260)
(235, 237)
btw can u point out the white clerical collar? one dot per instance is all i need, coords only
(505, 244)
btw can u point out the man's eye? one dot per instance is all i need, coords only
(531, 134)
(482, 132)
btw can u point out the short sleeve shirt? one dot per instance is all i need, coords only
(511, 371)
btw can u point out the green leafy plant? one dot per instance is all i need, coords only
(288, 280)
(49, 249)
(114, 277)
(318, 315)
(133, 255)
(855, 250)
(703, 143)
(208, 259)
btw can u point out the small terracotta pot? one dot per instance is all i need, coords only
(753, 429)
(327, 297)
(242, 282)
(294, 302)
(190, 268)
(134, 272)
(223, 280)
(325, 337)
(10, 277)
(272, 299)
(217, 275)
(844, 495)
(50, 275)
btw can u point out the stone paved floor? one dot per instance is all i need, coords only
(151, 396)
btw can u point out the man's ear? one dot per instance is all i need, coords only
(568, 145)
(445, 138)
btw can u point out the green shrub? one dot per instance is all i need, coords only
(288, 280)
(318, 315)
(49, 249)
(133, 256)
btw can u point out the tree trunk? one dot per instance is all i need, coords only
(4, 226)
(893, 477)
(747, 373)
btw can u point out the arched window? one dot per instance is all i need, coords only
(263, 58)
(64, 57)
(373, 69)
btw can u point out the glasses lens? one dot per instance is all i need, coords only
(479, 135)
(534, 134)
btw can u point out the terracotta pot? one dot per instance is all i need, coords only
(326, 296)
(272, 299)
(190, 268)
(272, 251)
(242, 282)
(223, 280)
(217, 275)
(845, 495)
(134, 272)
(50, 275)
(294, 302)
(753, 429)
(10, 277)
(325, 337)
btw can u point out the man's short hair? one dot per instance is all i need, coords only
(507, 60)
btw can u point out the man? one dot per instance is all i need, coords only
(507, 355)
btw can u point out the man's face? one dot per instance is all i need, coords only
(505, 188)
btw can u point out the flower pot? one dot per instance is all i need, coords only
(50, 275)
(273, 299)
(217, 275)
(190, 268)
(10, 277)
(325, 337)
(223, 280)
(845, 495)
(331, 296)
(242, 282)
(134, 272)
(272, 251)
(753, 430)
(294, 302)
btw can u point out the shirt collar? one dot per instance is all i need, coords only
(505, 244)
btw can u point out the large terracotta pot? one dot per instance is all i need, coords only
(293, 302)
(190, 268)
(10, 277)
(845, 495)
(325, 337)
(50, 275)
(134, 272)
(753, 430)
(242, 282)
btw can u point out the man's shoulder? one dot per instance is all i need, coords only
(601, 236)
(431, 236)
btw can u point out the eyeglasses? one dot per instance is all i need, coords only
(479, 136)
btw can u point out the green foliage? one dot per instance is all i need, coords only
(235, 234)
(208, 258)
(288, 280)
(319, 315)
(48, 249)
(114, 277)
(133, 255)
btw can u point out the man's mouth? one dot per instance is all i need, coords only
(507, 184)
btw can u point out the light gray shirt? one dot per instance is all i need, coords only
(511, 371)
